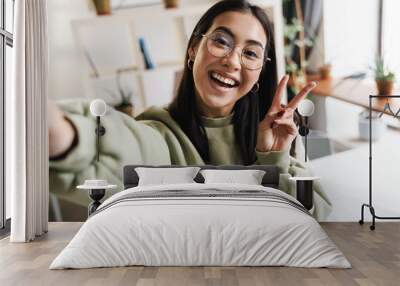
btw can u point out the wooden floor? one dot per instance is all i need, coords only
(374, 255)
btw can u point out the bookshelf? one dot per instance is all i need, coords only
(112, 43)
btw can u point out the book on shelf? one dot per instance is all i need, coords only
(148, 62)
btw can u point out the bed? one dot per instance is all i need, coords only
(201, 224)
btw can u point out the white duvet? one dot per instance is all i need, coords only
(207, 230)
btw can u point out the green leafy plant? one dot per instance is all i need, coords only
(381, 71)
(296, 41)
(126, 95)
(292, 29)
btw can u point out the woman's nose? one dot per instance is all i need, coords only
(233, 59)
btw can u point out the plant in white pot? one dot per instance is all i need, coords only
(378, 127)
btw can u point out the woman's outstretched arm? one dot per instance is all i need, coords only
(61, 131)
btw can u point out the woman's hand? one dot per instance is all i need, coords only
(277, 130)
(61, 132)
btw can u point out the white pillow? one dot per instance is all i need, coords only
(162, 176)
(248, 177)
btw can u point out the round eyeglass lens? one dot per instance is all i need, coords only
(252, 56)
(220, 44)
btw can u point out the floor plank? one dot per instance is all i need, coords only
(375, 257)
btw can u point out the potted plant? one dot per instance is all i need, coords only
(126, 105)
(296, 42)
(171, 3)
(378, 127)
(384, 78)
(325, 71)
(103, 7)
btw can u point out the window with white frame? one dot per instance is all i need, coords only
(6, 44)
(391, 36)
(352, 35)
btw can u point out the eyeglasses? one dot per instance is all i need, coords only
(220, 44)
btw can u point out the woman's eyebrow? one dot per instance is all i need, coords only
(228, 31)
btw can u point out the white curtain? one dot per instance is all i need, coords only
(26, 117)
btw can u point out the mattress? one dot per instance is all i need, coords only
(201, 225)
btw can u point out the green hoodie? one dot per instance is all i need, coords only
(152, 138)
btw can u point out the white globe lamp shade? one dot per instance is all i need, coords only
(306, 108)
(98, 107)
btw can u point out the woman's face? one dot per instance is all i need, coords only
(221, 81)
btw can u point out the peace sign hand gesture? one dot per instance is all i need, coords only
(277, 130)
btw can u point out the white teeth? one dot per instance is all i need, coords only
(223, 79)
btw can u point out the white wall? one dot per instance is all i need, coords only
(65, 68)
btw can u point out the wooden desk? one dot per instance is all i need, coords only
(354, 91)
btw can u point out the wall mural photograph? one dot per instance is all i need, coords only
(208, 133)
(177, 91)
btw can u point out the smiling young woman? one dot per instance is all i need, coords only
(227, 111)
(219, 77)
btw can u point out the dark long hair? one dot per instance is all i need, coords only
(249, 110)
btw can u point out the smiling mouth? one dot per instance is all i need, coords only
(222, 81)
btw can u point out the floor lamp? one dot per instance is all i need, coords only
(97, 188)
(98, 108)
(306, 109)
(304, 185)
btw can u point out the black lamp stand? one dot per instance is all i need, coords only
(96, 195)
(370, 205)
(100, 131)
(303, 131)
(304, 193)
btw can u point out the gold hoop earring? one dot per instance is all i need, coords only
(190, 64)
(257, 87)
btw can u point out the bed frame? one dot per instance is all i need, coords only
(270, 179)
(304, 194)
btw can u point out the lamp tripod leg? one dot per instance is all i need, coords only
(361, 221)
(372, 210)
(305, 148)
